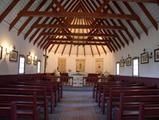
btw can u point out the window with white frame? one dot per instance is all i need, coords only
(117, 68)
(21, 65)
(39, 67)
(135, 67)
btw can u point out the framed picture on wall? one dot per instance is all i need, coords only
(29, 59)
(156, 55)
(128, 61)
(35, 61)
(1, 51)
(144, 58)
(13, 56)
(122, 61)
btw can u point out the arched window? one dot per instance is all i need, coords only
(21, 69)
(117, 68)
(39, 66)
(135, 66)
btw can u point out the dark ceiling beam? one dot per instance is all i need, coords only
(37, 38)
(139, 20)
(139, 1)
(92, 50)
(113, 40)
(85, 42)
(148, 14)
(77, 40)
(63, 49)
(56, 48)
(70, 50)
(78, 26)
(74, 43)
(98, 50)
(46, 43)
(77, 15)
(30, 30)
(77, 50)
(77, 34)
(8, 9)
(60, 21)
(13, 23)
(115, 32)
(37, 30)
(84, 50)
(42, 42)
(121, 24)
(104, 50)
(27, 21)
(51, 48)
(128, 21)
(112, 47)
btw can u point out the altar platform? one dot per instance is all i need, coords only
(77, 79)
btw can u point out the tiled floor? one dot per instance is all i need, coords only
(77, 105)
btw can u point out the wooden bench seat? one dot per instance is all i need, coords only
(40, 94)
(148, 111)
(22, 101)
(133, 103)
(8, 110)
(114, 96)
(105, 95)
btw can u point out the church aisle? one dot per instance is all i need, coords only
(77, 105)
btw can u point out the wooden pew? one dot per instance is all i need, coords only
(40, 93)
(148, 110)
(114, 96)
(107, 88)
(30, 85)
(129, 105)
(26, 104)
(8, 110)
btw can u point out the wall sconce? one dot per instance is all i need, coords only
(29, 59)
(1, 51)
(9, 49)
(35, 60)
(122, 62)
(150, 54)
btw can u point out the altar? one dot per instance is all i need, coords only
(77, 79)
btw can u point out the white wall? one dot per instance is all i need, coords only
(89, 62)
(8, 38)
(150, 43)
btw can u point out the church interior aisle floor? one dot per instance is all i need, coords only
(77, 105)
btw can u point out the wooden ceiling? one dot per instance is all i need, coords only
(111, 24)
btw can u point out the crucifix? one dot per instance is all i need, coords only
(45, 60)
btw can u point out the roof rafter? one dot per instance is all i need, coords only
(70, 49)
(78, 15)
(79, 26)
(98, 50)
(8, 9)
(139, 1)
(30, 18)
(76, 34)
(13, 23)
(36, 22)
(147, 13)
(92, 50)
(139, 20)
